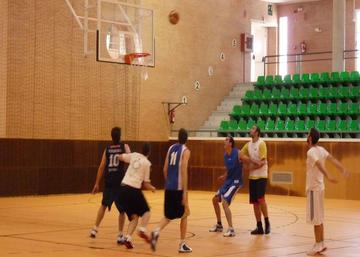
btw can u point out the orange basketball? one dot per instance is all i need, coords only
(174, 17)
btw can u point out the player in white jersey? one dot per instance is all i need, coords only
(255, 153)
(131, 197)
(315, 172)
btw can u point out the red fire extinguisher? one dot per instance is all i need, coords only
(303, 47)
(172, 116)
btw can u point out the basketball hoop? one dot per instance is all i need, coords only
(130, 57)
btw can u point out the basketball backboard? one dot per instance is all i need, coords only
(124, 30)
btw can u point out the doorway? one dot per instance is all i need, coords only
(260, 33)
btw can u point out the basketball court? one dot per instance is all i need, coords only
(59, 225)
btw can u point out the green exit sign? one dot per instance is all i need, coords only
(270, 9)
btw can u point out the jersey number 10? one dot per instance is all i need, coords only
(114, 160)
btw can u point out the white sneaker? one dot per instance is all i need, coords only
(216, 228)
(184, 248)
(316, 249)
(93, 233)
(229, 233)
(121, 239)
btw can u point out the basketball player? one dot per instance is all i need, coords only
(232, 183)
(255, 153)
(315, 172)
(131, 197)
(176, 186)
(113, 171)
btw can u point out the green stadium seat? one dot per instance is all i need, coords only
(301, 110)
(300, 125)
(254, 110)
(322, 109)
(285, 93)
(263, 110)
(296, 79)
(330, 126)
(236, 111)
(315, 78)
(320, 125)
(309, 124)
(354, 76)
(331, 108)
(325, 77)
(280, 125)
(249, 95)
(305, 78)
(335, 76)
(312, 109)
(354, 108)
(275, 94)
(260, 81)
(287, 80)
(304, 93)
(266, 94)
(342, 108)
(341, 126)
(289, 125)
(250, 124)
(258, 94)
(278, 80)
(272, 111)
(314, 93)
(294, 93)
(282, 109)
(344, 92)
(242, 125)
(245, 110)
(324, 92)
(270, 125)
(354, 92)
(333, 92)
(292, 110)
(344, 76)
(224, 126)
(269, 80)
(353, 125)
(261, 124)
(233, 125)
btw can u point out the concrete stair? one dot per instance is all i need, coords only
(210, 126)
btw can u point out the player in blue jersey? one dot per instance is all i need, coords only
(176, 186)
(113, 171)
(232, 183)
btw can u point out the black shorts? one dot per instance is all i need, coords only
(110, 195)
(173, 208)
(133, 201)
(257, 189)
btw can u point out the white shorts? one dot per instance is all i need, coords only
(315, 207)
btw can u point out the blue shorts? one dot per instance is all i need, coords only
(228, 190)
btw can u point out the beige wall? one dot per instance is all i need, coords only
(302, 25)
(3, 64)
(54, 92)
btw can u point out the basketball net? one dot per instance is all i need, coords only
(129, 60)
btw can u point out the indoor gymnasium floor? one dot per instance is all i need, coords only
(59, 225)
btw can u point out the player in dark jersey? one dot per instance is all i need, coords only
(176, 185)
(232, 183)
(113, 171)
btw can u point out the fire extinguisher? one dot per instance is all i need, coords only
(172, 116)
(303, 47)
